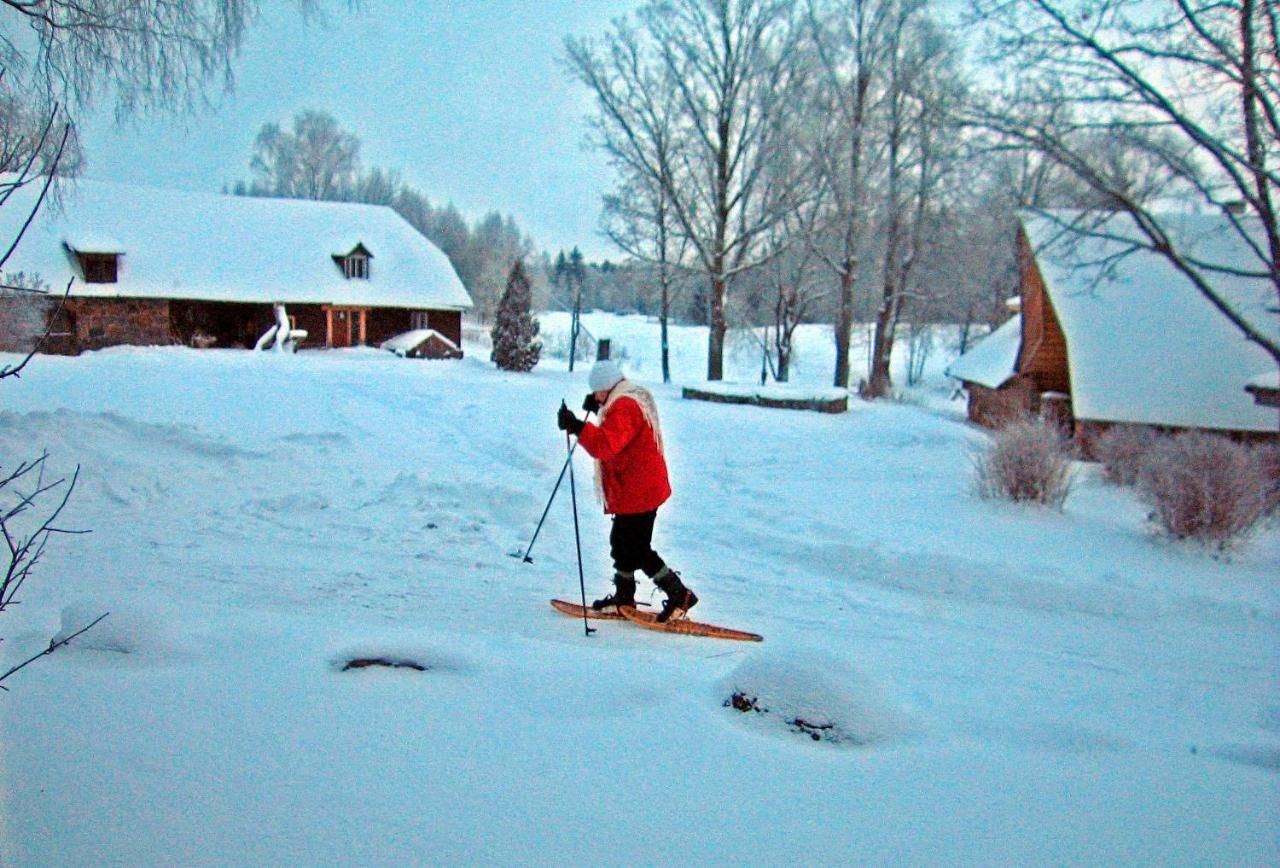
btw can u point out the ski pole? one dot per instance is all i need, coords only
(528, 557)
(577, 537)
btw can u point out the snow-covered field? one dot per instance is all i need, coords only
(988, 684)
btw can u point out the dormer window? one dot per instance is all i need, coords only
(355, 264)
(98, 257)
(100, 267)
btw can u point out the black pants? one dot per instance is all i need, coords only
(631, 544)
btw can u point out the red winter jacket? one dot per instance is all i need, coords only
(633, 472)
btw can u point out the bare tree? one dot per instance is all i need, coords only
(850, 38)
(1190, 92)
(735, 64)
(638, 218)
(317, 159)
(794, 293)
(152, 54)
(705, 81)
(636, 126)
(26, 531)
(922, 91)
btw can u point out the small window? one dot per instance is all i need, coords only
(355, 263)
(356, 267)
(418, 320)
(99, 267)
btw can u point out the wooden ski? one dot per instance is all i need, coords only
(575, 609)
(685, 627)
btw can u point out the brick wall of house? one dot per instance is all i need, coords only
(23, 318)
(105, 322)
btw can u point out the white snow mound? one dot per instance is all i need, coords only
(809, 694)
(130, 633)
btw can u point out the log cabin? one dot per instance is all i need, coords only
(1106, 334)
(149, 266)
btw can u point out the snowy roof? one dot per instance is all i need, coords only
(992, 360)
(1266, 381)
(1143, 345)
(90, 241)
(212, 247)
(406, 341)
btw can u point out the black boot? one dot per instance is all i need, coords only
(624, 594)
(679, 598)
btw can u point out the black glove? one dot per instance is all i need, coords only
(567, 421)
(590, 404)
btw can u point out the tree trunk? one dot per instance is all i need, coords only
(666, 341)
(844, 325)
(879, 382)
(719, 327)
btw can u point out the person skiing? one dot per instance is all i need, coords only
(631, 476)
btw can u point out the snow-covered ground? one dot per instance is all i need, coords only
(987, 684)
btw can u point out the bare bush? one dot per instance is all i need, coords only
(1268, 460)
(1205, 488)
(1121, 449)
(1026, 462)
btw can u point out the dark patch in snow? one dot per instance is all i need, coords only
(385, 662)
(744, 703)
(817, 730)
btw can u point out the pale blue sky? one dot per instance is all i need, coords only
(465, 98)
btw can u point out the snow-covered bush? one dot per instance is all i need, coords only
(1025, 462)
(1121, 449)
(555, 345)
(1204, 487)
(1268, 458)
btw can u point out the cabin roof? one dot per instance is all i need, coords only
(215, 247)
(991, 361)
(1143, 345)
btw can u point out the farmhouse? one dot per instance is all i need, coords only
(1109, 335)
(149, 266)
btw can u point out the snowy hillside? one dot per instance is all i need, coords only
(943, 680)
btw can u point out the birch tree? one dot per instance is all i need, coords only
(635, 126)
(721, 72)
(922, 90)
(736, 65)
(850, 38)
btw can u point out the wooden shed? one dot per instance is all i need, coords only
(423, 344)
(1107, 336)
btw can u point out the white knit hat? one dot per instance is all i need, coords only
(604, 375)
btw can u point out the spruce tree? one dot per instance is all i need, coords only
(515, 331)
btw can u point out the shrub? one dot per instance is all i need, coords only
(1205, 488)
(1121, 449)
(1268, 460)
(1025, 462)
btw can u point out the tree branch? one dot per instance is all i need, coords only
(53, 646)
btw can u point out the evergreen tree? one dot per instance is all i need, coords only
(515, 331)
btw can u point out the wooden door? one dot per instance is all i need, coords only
(341, 328)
